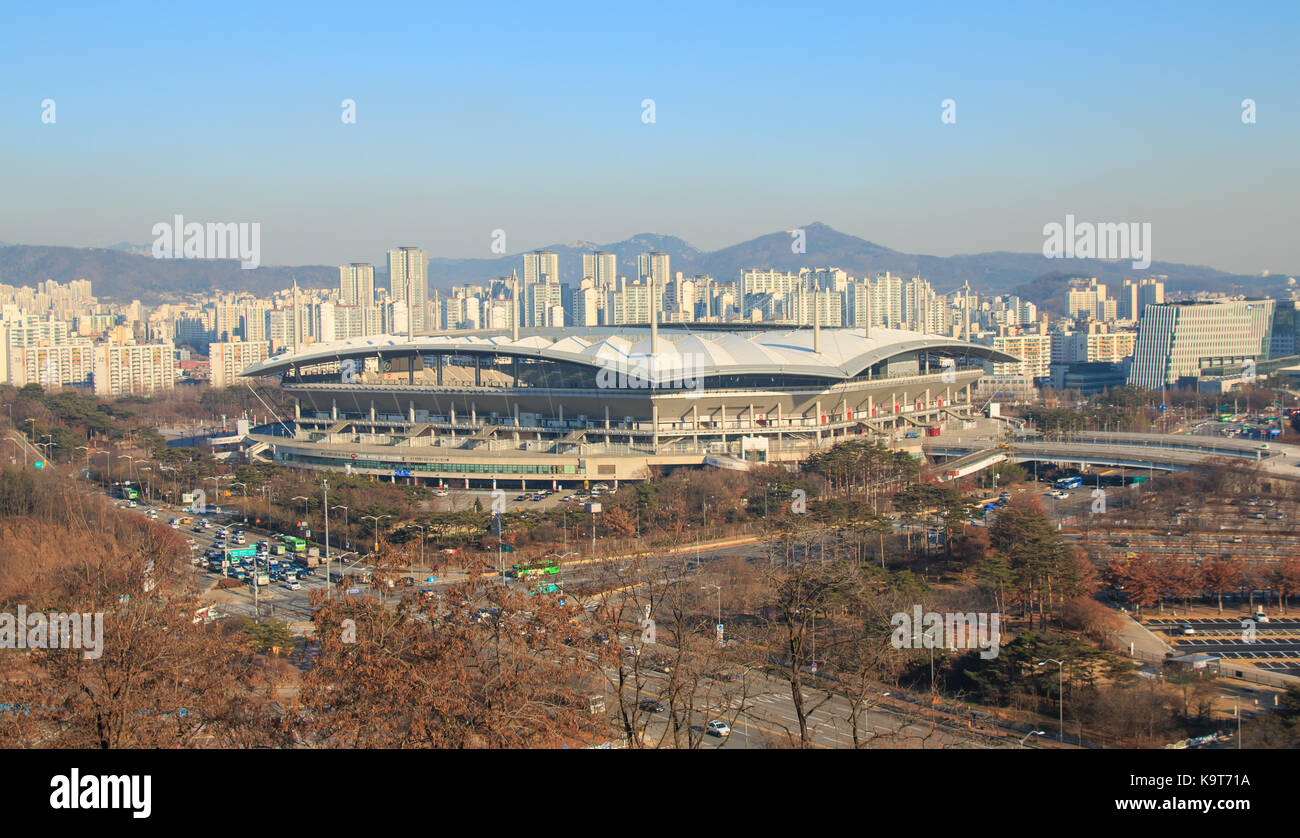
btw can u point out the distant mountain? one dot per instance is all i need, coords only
(122, 272)
(118, 275)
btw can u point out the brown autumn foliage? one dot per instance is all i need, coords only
(437, 673)
(159, 679)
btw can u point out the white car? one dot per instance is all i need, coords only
(294, 586)
(1188, 630)
(441, 493)
(718, 728)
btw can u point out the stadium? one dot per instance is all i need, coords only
(562, 407)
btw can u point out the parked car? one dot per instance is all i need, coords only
(718, 728)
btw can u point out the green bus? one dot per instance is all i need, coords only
(544, 588)
(129, 493)
(294, 543)
(540, 567)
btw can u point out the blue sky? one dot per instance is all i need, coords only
(473, 117)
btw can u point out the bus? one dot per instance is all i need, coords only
(1069, 482)
(544, 588)
(294, 544)
(540, 567)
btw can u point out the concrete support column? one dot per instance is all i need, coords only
(723, 409)
(817, 420)
(297, 409)
(654, 420)
(606, 417)
(473, 413)
(410, 411)
(440, 358)
(372, 410)
(334, 409)
(452, 415)
(516, 414)
(780, 433)
(478, 371)
(751, 416)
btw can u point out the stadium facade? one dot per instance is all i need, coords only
(567, 407)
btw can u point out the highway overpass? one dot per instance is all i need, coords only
(963, 455)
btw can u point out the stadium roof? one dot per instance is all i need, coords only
(844, 352)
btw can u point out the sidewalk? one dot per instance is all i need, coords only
(1139, 640)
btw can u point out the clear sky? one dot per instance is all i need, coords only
(476, 116)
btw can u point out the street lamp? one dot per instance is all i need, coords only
(347, 540)
(1060, 734)
(172, 469)
(244, 488)
(20, 448)
(423, 533)
(1031, 733)
(719, 590)
(217, 480)
(376, 519)
(559, 560)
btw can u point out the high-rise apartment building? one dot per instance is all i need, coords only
(228, 359)
(134, 368)
(407, 268)
(357, 284)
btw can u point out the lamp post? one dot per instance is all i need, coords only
(172, 469)
(20, 447)
(244, 488)
(559, 559)
(347, 539)
(1060, 733)
(1029, 734)
(85, 448)
(376, 519)
(217, 487)
(423, 534)
(718, 588)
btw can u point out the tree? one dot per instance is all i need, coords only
(1222, 575)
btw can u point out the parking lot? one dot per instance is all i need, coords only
(1272, 646)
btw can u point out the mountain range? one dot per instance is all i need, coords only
(124, 271)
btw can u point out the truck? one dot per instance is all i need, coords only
(262, 578)
(312, 559)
